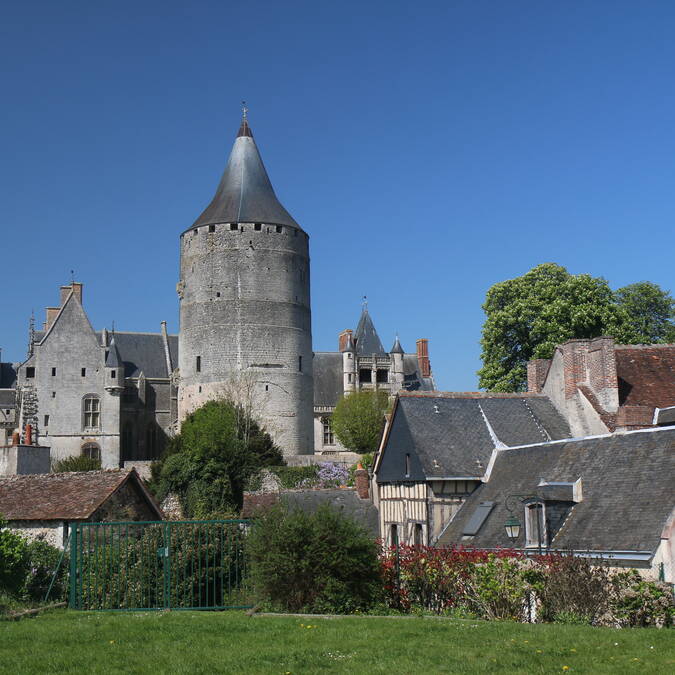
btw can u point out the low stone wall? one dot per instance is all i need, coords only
(50, 531)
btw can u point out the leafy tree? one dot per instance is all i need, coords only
(358, 419)
(315, 562)
(209, 463)
(650, 310)
(529, 315)
(13, 559)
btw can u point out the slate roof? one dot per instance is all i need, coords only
(366, 338)
(144, 352)
(114, 360)
(245, 193)
(346, 501)
(628, 492)
(62, 496)
(646, 374)
(7, 398)
(7, 375)
(446, 434)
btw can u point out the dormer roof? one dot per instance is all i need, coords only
(245, 193)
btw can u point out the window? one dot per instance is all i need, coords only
(53, 372)
(46, 424)
(199, 364)
(417, 535)
(349, 378)
(217, 294)
(328, 437)
(113, 374)
(535, 525)
(382, 375)
(234, 227)
(257, 227)
(212, 228)
(393, 535)
(279, 229)
(84, 372)
(53, 394)
(92, 451)
(407, 465)
(300, 363)
(30, 372)
(91, 412)
(150, 440)
(366, 375)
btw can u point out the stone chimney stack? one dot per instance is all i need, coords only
(51, 313)
(362, 482)
(343, 338)
(423, 357)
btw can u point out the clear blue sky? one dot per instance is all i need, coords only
(429, 149)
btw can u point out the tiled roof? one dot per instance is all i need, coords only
(59, 496)
(7, 375)
(447, 435)
(627, 488)
(646, 375)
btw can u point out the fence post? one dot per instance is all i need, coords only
(72, 600)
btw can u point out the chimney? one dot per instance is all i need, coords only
(29, 435)
(65, 292)
(362, 482)
(16, 438)
(51, 315)
(343, 338)
(423, 357)
(537, 370)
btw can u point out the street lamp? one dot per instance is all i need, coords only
(512, 526)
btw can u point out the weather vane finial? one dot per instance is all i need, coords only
(244, 110)
(364, 304)
(72, 276)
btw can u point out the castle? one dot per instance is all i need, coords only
(245, 333)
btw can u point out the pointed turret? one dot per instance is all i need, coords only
(397, 349)
(245, 193)
(366, 338)
(114, 369)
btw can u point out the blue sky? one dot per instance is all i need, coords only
(429, 149)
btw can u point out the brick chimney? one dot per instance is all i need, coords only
(343, 337)
(423, 357)
(362, 482)
(29, 434)
(537, 370)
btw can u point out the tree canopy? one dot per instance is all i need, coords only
(528, 316)
(358, 419)
(209, 462)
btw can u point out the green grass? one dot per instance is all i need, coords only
(230, 642)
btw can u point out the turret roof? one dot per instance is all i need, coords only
(113, 359)
(366, 338)
(397, 349)
(245, 193)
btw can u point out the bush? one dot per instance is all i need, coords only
(574, 590)
(43, 560)
(637, 602)
(76, 463)
(319, 562)
(13, 560)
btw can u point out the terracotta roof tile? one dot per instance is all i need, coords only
(646, 375)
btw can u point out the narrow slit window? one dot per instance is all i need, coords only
(199, 364)
(212, 228)
(84, 372)
(53, 372)
(407, 465)
(113, 374)
(300, 363)
(46, 424)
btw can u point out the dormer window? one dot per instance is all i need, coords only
(535, 525)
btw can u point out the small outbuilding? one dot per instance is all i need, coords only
(44, 506)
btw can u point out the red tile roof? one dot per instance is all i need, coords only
(646, 375)
(61, 496)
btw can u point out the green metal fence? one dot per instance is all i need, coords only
(196, 564)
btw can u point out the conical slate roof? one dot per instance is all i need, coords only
(397, 349)
(113, 359)
(245, 194)
(366, 337)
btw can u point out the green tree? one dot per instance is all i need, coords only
(358, 419)
(650, 310)
(529, 315)
(13, 559)
(209, 463)
(76, 463)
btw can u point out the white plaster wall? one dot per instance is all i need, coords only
(50, 531)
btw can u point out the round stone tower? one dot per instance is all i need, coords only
(245, 318)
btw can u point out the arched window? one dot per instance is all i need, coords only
(91, 450)
(91, 412)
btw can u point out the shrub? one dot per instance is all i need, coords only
(13, 560)
(574, 590)
(76, 463)
(318, 562)
(43, 560)
(637, 602)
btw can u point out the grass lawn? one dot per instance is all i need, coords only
(230, 642)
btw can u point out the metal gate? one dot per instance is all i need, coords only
(195, 564)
